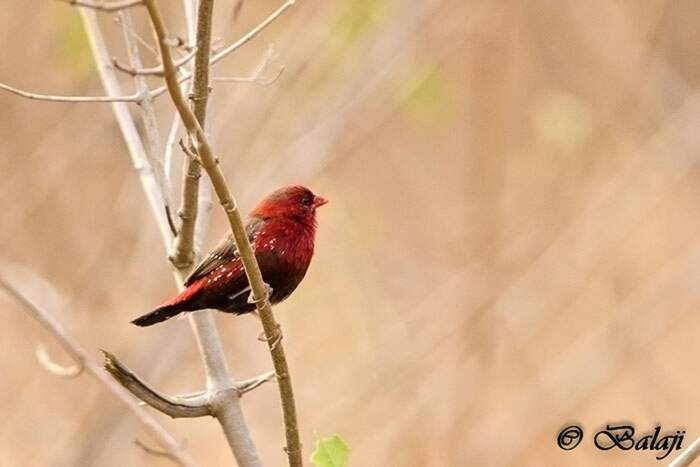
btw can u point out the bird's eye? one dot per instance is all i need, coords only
(306, 201)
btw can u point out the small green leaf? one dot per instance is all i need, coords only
(330, 451)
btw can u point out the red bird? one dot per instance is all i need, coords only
(281, 231)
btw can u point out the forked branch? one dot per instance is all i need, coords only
(259, 288)
(179, 408)
(48, 322)
(152, 71)
(157, 71)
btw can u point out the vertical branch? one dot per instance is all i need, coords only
(224, 396)
(154, 150)
(200, 83)
(125, 121)
(224, 403)
(260, 291)
(183, 252)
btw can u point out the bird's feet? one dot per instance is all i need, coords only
(274, 339)
(256, 301)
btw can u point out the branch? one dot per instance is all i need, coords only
(153, 71)
(248, 385)
(175, 408)
(153, 451)
(126, 123)
(252, 79)
(183, 253)
(153, 147)
(42, 355)
(48, 322)
(56, 98)
(256, 76)
(259, 288)
(253, 32)
(242, 387)
(105, 6)
(228, 412)
(223, 397)
(688, 456)
(152, 94)
(223, 53)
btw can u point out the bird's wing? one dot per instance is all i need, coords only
(223, 253)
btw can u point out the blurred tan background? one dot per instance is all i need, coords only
(512, 242)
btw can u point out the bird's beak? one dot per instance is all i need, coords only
(319, 201)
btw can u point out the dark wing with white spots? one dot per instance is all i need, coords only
(223, 253)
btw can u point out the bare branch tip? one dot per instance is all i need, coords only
(171, 222)
(252, 383)
(57, 369)
(111, 363)
(154, 451)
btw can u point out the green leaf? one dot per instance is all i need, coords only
(330, 451)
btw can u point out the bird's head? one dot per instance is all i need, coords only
(293, 202)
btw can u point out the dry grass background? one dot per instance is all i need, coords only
(512, 242)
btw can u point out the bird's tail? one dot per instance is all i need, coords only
(175, 306)
(158, 315)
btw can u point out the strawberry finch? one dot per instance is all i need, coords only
(281, 231)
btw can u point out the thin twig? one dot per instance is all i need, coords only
(71, 347)
(105, 6)
(170, 145)
(241, 387)
(152, 71)
(153, 451)
(144, 43)
(73, 371)
(252, 79)
(247, 37)
(154, 93)
(253, 32)
(256, 76)
(169, 215)
(126, 123)
(259, 289)
(151, 138)
(248, 385)
(56, 98)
